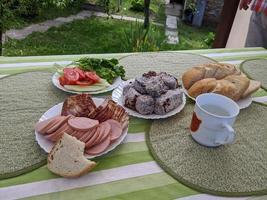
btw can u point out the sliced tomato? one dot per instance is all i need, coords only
(84, 83)
(62, 80)
(71, 75)
(81, 73)
(92, 76)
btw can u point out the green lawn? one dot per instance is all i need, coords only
(100, 35)
(45, 14)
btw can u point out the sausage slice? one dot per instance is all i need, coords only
(42, 126)
(99, 148)
(116, 129)
(82, 123)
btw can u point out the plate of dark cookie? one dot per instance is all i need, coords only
(151, 96)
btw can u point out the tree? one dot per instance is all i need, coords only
(146, 11)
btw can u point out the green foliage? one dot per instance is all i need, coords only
(137, 5)
(27, 8)
(106, 69)
(101, 35)
(191, 5)
(109, 5)
(210, 38)
(139, 39)
(16, 12)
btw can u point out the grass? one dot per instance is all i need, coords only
(45, 14)
(97, 35)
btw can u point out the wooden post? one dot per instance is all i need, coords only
(226, 21)
(146, 11)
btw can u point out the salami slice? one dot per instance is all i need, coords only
(82, 123)
(116, 129)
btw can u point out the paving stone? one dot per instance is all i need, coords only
(64, 19)
(171, 22)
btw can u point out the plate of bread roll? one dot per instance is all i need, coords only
(220, 78)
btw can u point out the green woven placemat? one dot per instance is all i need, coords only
(256, 69)
(231, 170)
(173, 63)
(23, 99)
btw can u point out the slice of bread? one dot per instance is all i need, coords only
(66, 158)
(253, 87)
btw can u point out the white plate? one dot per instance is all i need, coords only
(242, 103)
(114, 85)
(118, 98)
(56, 110)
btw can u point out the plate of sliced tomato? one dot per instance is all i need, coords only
(74, 80)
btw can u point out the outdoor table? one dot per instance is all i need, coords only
(131, 172)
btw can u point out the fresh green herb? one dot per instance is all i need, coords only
(106, 69)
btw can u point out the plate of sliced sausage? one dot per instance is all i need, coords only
(102, 128)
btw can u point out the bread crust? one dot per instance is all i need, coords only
(221, 78)
(241, 84)
(225, 88)
(202, 86)
(191, 76)
(253, 87)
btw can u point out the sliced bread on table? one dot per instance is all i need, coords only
(66, 158)
(253, 87)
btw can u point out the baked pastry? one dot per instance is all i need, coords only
(167, 102)
(153, 93)
(145, 104)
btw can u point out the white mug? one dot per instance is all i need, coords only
(213, 119)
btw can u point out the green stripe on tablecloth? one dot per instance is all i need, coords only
(56, 58)
(260, 93)
(139, 125)
(129, 155)
(118, 55)
(123, 160)
(222, 50)
(240, 57)
(113, 188)
(17, 70)
(171, 191)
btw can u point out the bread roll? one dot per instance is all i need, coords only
(225, 88)
(253, 87)
(209, 70)
(241, 83)
(202, 86)
(191, 76)
(219, 78)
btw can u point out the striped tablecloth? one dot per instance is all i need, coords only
(127, 173)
